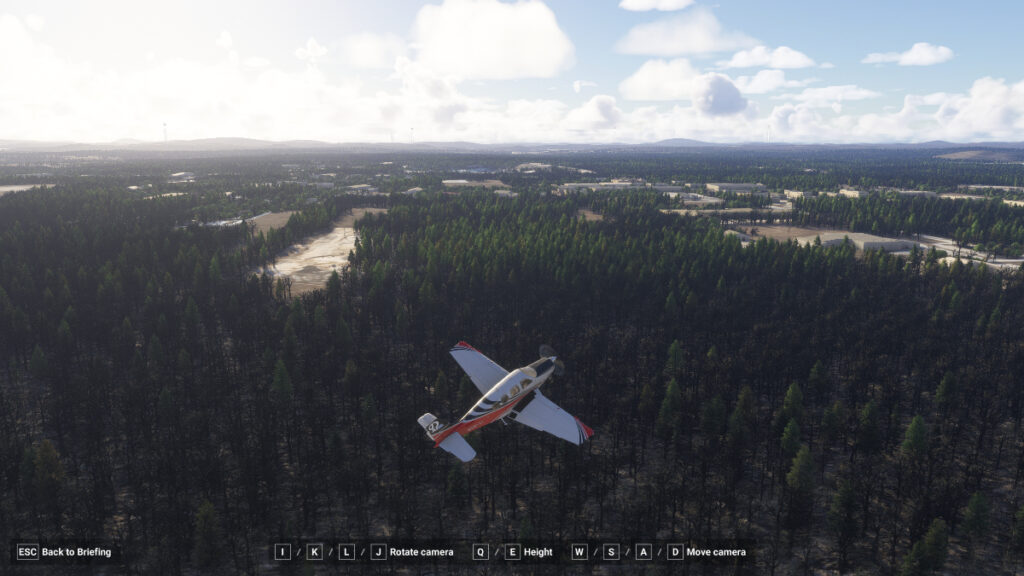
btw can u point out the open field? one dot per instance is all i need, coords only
(21, 187)
(783, 233)
(589, 215)
(264, 222)
(311, 263)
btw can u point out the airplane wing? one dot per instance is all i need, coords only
(546, 416)
(481, 369)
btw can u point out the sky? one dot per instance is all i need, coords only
(492, 71)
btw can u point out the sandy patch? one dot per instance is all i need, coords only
(783, 232)
(311, 263)
(350, 218)
(589, 215)
(264, 222)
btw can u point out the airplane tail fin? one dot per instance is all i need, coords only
(431, 424)
(453, 443)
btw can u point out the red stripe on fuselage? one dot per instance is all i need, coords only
(464, 427)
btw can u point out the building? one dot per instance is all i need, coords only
(362, 189)
(851, 193)
(860, 240)
(591, 186)
(917, 193)
(462, 183)
(794, 194)
(413, 191)
(667, 188)
(505, 194)
(740, 188)
(1015, 203)
(962, 197)
(181, 178)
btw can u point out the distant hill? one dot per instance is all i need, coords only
(988, 151)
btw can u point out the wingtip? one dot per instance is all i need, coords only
(587, 431)
(464, 344)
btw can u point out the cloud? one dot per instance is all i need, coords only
(920, 54)
(990, 110)
(661, 80)
(274, 96)
(766, 81)
(225, 40)
(487, 39)
(35, 22)
(695, 31)
(662, 5)
(312, 52)
(579, 85)
(827, 96)
(761, 56)
(372, 51)
(716, 95)
(598, 113)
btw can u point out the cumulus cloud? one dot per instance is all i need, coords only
(716, 95)
(487, 39)
(661, 80)
(661, 5)
(312, 52)
(277, 97)
(828, 96)
(598, 113)
(992, 109)
(579, 85)
(762, 56)
(695, 31)
(920, 54)
(372, 51)
(766, 81)
(225, 40)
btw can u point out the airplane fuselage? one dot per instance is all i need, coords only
(503, 397)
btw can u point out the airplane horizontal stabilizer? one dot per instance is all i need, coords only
(458, 446)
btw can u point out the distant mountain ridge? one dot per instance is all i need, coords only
(228, 144)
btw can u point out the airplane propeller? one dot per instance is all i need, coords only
(546, 351)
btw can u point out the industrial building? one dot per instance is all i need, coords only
(851, 193)
(590, 186)
(861, 241)
(741, 188)
(794, 194)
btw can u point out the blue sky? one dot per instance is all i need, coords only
(512, 71)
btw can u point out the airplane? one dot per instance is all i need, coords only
(502, 392)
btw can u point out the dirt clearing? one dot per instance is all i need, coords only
(310, 264)
(264, 222)
(783, 233)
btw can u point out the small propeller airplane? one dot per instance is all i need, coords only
(502, 392)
